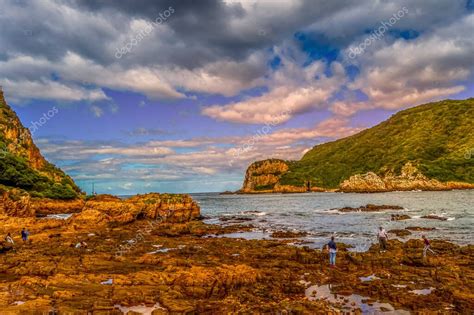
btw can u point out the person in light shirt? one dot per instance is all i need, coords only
(383, 237)
(9, 239)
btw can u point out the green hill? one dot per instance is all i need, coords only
(437, 138)
(22, 165)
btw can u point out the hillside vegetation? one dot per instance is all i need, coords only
(436, 137)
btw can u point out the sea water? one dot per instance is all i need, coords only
(316, 213)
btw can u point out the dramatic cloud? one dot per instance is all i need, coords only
(293, 89)
(425, 69)
(225, 64)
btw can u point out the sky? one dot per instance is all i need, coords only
(181, 96)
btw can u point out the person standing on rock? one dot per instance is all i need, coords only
(24, 234)
(9, 239)
(332, 247)
(383, 237)
(427, 246)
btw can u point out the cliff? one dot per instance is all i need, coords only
(263, 175)
(427, 147)
(21, 164)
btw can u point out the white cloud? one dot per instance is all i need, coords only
(293, 89)
(223, 77)
(47, 89)
(431, 67)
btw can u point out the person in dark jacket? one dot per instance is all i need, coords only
(24, 234)
(332, 248)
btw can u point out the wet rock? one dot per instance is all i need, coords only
(288, 234)
(235, 219)
(4, 247)
(370, 208)
(420, 228)
(399, 217)
(399, 232)
(434, 217)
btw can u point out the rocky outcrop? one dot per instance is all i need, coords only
(399, 217)
(170, 208)
(400, 232)
(263, 175)
(410, 178)
(434, 217)
(370, 208)
(16, 203)
(45, 206)
(163, 207)
(278, 188)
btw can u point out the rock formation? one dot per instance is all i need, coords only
(263, 175)
(370, 208)
(164, 207)
(16, 203)
(410, 178)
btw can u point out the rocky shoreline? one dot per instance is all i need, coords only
(134, 258)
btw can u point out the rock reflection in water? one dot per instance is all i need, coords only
(350, 302)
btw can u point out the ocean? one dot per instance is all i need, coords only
(315, 214)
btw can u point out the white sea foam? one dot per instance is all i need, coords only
(369, 278)
(253, 212)
(423, 291)
(107, 282)
(141, 309)
(59, 216)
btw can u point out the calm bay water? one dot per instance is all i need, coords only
(314, 213)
